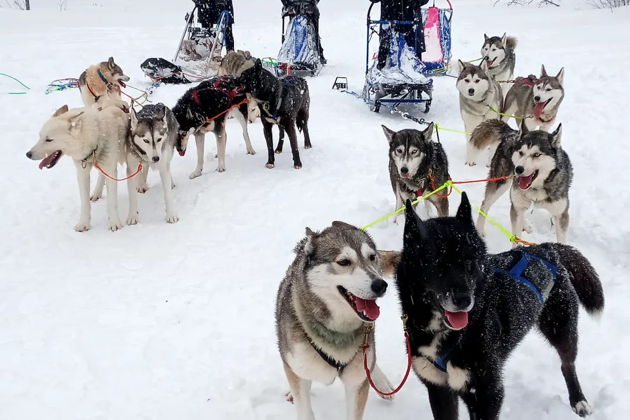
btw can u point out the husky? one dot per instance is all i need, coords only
(417, 165)
(480, 97)
(500, 59)
(536, 100)
(91, 136)
(105, 78)
(204, 109)
(467, 310)
(235, 62)
(284, 102)
(152, 143)
(542, 172)
(325, 310)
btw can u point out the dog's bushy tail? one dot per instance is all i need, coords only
(511, 42)
(490, 132)
(583, 277)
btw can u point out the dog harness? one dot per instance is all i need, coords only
(517, 274)
(222, 84)
(332, 362)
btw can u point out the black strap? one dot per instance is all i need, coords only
(331, 361)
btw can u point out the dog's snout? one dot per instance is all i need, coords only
(156, 158)
(519, 170)
(29, 154)
(404, 170)
(471, 91)
(462, 301)
(379, 287)
(537, 98)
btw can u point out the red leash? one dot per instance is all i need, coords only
(366, 346)
(118, 179)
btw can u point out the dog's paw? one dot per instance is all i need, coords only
(132, 219)
(82, 227)
(289, 397)
(115, 225)
(216, 156)
(251, 152)
(298, 166)
(172, 185)
(278, 151)
(308, 146)
(269, 165)
(195, 174)
(142, 188)
(172, 218)
(582, 409)
(96, 196)
(220, 169)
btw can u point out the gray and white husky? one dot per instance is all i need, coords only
(536, 100)
(152, 143)
(500, 59)
(542, 175)
(325, 306)
(94, 135)
(103, 79)
(480, 97)
(416, 165)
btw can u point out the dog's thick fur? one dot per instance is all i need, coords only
(235, 62)
(417, 164)
(205, 102)
(465, 317)
(152, 142)
(319, 324)
(478, 93)
(94, 134)
(542, 171)
(93, 87)
(537, 101)
(284, 102)
(500, 58)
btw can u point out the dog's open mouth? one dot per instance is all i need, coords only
(121, 83)
(455, 320)
(367, 309)
(524, 182)
(539, 108)
(406, 176)
(489, 63)
(50, 160)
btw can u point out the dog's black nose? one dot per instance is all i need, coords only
(471, 91)
(462, 300)
(537, 98)
(519, 170)
(404, 170)
(379, 287)
(156, 158)
(29, 155)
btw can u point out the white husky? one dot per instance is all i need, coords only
(94, 135)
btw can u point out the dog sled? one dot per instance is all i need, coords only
(300, 53)
(415, 49)
(198, 54)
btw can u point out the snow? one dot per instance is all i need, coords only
(162, 321)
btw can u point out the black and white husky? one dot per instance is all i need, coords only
(326, 306)
(285, 102)
(542, 172)
(417, 164)
(467, 310)
(204, 109)
(500, 59)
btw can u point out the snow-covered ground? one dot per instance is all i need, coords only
(163, 321)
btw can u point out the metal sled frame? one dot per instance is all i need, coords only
(295, 69)
(376, 94)
(220, 30)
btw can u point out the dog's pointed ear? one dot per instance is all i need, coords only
(308, 241)
(461, 65)
(556, 136)
(504, 39)
(464, 211)
(342, 225)
(543, 71)
(522, 127)
(60, 111)
(110, 63)
(560, 75)
(133, 117)
(414, 226)
(160, 112)
(484, 65)
(258, 66)
(389, 134)
(389, 261)
(427, 133)
(485, 38)
(75, 121)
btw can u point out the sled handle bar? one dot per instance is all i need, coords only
(188, 22)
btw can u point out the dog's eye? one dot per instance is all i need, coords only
(146, 141)
(537, 155)
(372, 257)
(467, 80)
(159, 140)
(521, 154)
(48, 140)
(494, 49)
(414, 152)
(548, 89)
(476, 81)
(400, 151)
(344, 263)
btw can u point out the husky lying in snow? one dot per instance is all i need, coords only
(542, 169)
(99, 80)
(94, 135)
(324, 305)
(467, 310)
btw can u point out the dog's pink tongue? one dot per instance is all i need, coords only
(47, 160)
(525, 181)
(539, 109)
(458, 320)
(182, 152)
(369, 308)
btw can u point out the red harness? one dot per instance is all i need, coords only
(222, 84)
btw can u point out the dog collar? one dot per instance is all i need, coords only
(107, 82)
(84, 161)
(331, 361)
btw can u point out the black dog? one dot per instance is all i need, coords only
(203, 109)
(468, 310)
(282, 101)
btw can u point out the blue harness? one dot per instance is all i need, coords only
(517, 274)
